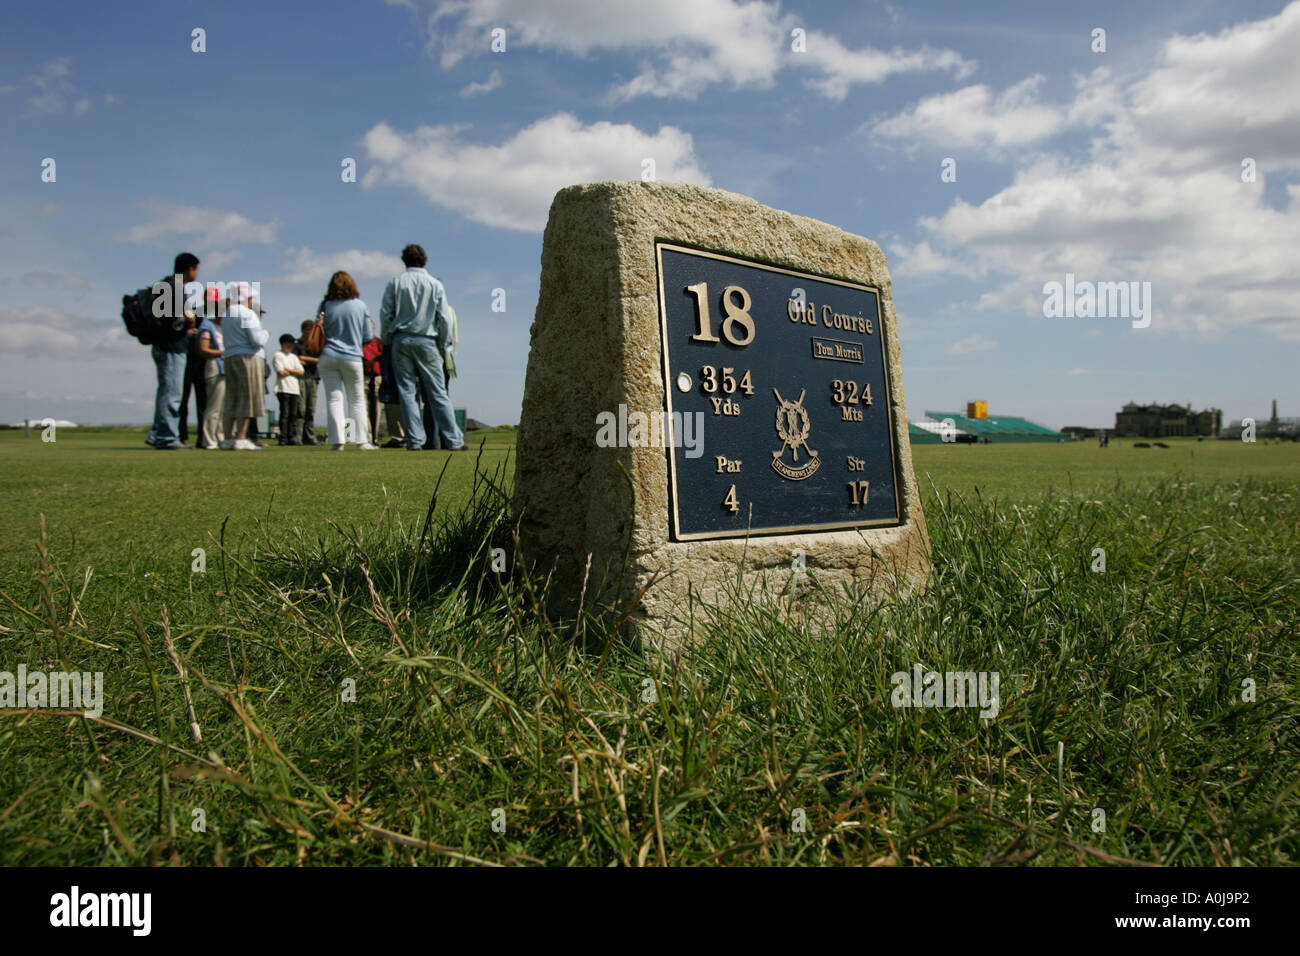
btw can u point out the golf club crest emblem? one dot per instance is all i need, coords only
(792, 426)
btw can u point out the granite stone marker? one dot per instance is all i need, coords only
(713, 391)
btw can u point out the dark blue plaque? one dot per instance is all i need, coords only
(787, 374)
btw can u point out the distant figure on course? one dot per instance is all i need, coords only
(288, 373)
(169, 356)
(414, 323)
(309, 382)
(347, 329)
(370, 366)
(214, 380)
(392, 402)
(245, 362)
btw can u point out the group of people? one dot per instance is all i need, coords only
(218, 352)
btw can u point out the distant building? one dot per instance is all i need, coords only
(1003, 428)
(1275, 427)
(1166, 421)
(1079, 432)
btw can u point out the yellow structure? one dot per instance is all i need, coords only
(977, 409)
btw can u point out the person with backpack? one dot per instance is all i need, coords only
(165, 318)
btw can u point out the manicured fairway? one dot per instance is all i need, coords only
(108, 500)
(1020, 472)
(342, 685)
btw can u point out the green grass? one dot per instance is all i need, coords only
(111, 502)
(1120, 690)
(1017, 472)
(99, 488)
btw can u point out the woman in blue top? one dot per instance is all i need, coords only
(347, 328)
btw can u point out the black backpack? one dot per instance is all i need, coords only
(138, 316)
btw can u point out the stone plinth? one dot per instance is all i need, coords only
(599, 342)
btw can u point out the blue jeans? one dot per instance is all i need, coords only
(416, 363)
(167, 402)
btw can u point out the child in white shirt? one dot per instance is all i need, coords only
(288, 369)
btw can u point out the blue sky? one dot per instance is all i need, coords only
(1123, 165)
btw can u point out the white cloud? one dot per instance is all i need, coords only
(211, 227)
(1158, 195)
(970, 345)
(975, 117)
(511, 185)
(842, 68)
(1078, 371)
(52, 86)
(493, 82)
(1218, 98)
(687, 45)
(305, 266)
(921, 260)
(52, 90)
(40, 331)
(214, 260)
(52, 282)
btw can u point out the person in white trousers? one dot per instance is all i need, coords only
(347, 328)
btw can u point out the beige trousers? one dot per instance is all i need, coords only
(212, 411)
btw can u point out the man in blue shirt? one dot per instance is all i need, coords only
(169, 355)
(415, 325)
